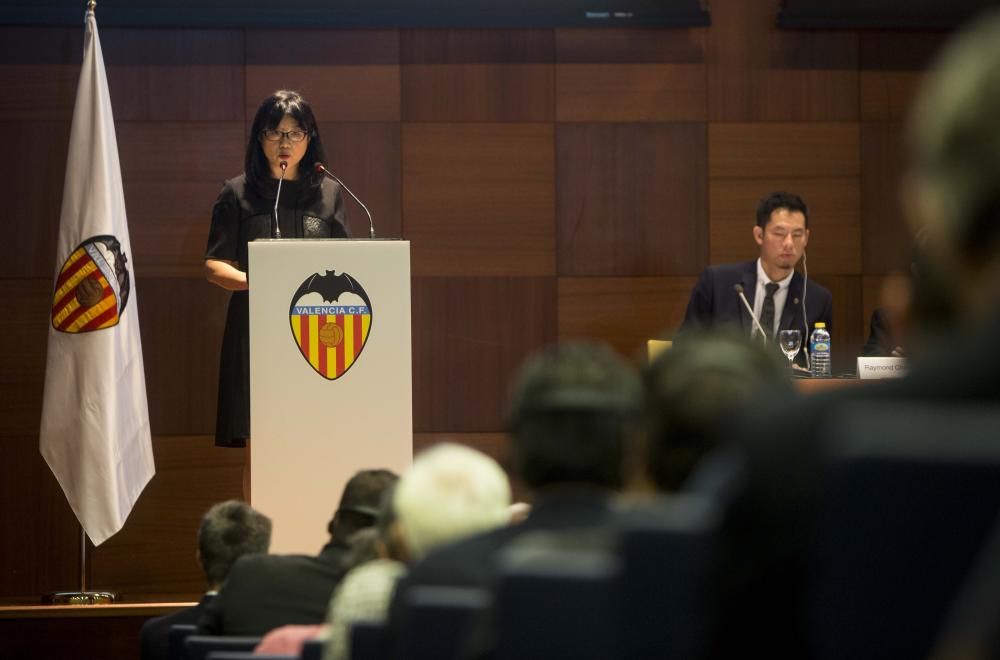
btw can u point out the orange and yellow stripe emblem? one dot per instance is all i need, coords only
(331, 343)
(83, 300)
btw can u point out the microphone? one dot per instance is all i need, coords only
(277, 196)
(739, 291)
(319, 167)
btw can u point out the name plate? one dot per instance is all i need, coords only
(874, 368)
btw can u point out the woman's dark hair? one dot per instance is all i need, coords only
(269, 115)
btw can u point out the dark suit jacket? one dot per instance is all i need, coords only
(263, 592)
(154, 635)
(714, 302)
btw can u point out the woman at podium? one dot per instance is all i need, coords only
(279, 195)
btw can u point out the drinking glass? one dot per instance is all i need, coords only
(790, 342)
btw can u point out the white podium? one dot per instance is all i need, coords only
(330, 376)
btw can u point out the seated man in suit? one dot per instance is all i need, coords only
(779, 295)
(228, 531)
(264, 592)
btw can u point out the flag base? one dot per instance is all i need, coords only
(81, 598)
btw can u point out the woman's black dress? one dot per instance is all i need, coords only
(241, 215)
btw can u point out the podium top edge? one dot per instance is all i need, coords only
(330, 240)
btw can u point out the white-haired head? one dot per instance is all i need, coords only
(449, 492)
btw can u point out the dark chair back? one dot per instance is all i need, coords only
(199, 646)
(911, 496)
(369, 640)
(313, 649)
(175, 640)
(439, 621)
(554, 602)
(666, 581)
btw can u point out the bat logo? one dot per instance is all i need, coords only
(92, 288)
(331, 319)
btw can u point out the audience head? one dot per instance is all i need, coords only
(692, 389)
(449, 492)
(228, 531)
(359, 504)
(574, 409)
(953, 187)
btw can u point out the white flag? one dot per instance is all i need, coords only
(95, 421)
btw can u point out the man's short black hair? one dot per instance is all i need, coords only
(359, 505)
(573, 408)
(780, 200)
(228, 531)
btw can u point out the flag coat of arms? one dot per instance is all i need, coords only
(95, 433)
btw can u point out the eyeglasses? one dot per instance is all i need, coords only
(274, 135)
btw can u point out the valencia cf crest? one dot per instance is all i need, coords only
(331, 319)
(92, 288)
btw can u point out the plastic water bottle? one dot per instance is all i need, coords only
(819, 352)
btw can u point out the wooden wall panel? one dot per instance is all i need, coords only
(479, 199)
(181, 321)
(477, 92)
(760, 73)
(347, 75)
(849, 324)
(631, 199)
(157, 545)
(888, 95)
(366, 157)
(787, 150)
(172, 172)
(834, 220)
(622, 311)
(469, 337)
(33, 184)
(630, 92)
(885, 233)
(40, 539)
(477, 46)
(22, 365)
(629, 45)
(46, 75)
(171, 75)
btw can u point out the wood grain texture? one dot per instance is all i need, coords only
(32, 187)
(366, 157)
(469, 337)
(899, 50)
(834, 220)
(354, 92)
(181, 321)
(849, 324)
(629, 45)
(757, 72)
(477, 92)
(171, 75)
(105, 638)
(39, 535)
(479, 199)
(172, 173)
(888, 95)
(526, 46)
(22, 367)
(631, 199)
(322, 47)
(630, 92)
(155, 551)
(785, 150)
(625, 312)
(47, 76)
(885, 233)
